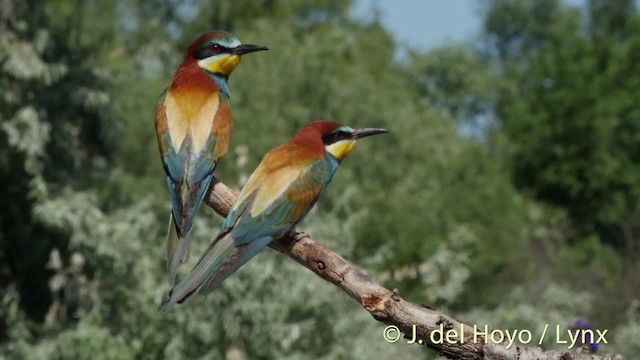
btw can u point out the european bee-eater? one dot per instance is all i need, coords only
(280, 192)
(193, 126)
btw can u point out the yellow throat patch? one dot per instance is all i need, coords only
(341, 149)
(221, 64)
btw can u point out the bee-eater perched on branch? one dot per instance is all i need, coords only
(193, 126)
(280, 192)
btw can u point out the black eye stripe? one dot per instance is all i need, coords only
(209, 50)
(334, 137)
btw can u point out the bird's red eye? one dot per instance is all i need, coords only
(336, 136)
(208, 51)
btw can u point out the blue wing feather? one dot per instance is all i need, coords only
(283, 214)
(242, 236)
(188, 179)
(189, 176)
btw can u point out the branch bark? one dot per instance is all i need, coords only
(420, 324)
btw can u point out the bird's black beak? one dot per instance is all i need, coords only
(247, 48)
(364, 132)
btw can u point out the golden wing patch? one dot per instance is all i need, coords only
(190, 114)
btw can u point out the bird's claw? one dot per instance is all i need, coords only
(299, 235)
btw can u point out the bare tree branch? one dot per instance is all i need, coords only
(419, 324)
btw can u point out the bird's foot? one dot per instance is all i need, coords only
(298, 235)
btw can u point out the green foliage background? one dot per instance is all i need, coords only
(507, 193)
